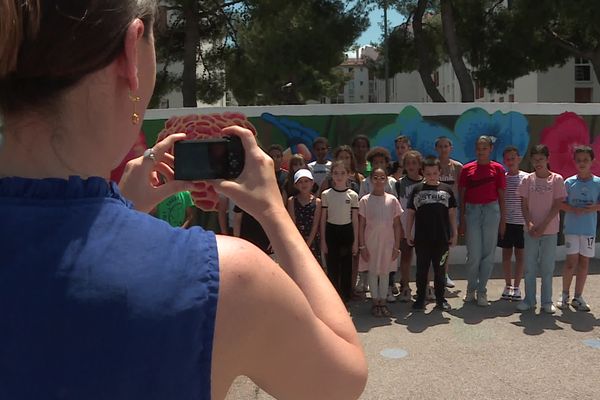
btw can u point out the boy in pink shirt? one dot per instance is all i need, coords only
(542, 193)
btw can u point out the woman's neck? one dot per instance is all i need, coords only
(378, 192)
(35, 149)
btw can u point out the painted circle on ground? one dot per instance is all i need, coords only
(593, 343)
(394, 353)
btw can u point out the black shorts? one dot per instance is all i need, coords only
(513, 237)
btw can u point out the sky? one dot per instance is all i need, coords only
(375, 32)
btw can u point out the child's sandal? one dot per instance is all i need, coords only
(385, 311)
(376, 311)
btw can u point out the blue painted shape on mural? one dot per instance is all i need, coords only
(294, 132)
(509, 128)
(422, 133)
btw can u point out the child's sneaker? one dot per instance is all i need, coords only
(405, 294)
(579, 304)
(523, 306)
(516, 295)
(418, 306)
(482, 300)
(563, 303)
(430, 294)
(549, 308)
(361, 285)
(443, 306)
(395, 290)
(390, 296)
(449, 282)
(469, 297)
(507, 293)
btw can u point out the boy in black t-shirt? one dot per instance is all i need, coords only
(432, 208)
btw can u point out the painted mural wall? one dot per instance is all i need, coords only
(559, 126)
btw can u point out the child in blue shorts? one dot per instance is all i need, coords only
(581, 207)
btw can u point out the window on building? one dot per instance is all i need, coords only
(479, 90)
(362, 97)
(361, 83)
(436, 78)
(350, 70)
(583, 95)
(583, 70)
(511, 98)
(164, 103)
(501, 100)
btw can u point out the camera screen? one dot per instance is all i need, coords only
(201, 160)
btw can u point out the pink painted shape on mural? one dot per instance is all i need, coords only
(569, 130)
(197, 126)
(136, 150)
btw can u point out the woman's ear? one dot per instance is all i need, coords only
(128, 66)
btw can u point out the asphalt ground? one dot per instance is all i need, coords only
(474, 352)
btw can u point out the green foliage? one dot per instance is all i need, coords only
(255, 47)
(296, 42)
(503, 43)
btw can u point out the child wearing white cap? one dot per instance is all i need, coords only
(305, 210)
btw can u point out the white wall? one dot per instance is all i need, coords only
(557, 84)
(526, 88)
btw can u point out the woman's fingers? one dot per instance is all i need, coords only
(165, 170)
(165, 145)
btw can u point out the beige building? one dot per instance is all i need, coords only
(574, 82)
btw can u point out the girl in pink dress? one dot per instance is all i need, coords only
(380, 232)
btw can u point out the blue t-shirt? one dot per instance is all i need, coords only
(98, 301)
(581, 193)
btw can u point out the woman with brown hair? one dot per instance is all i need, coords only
(102, 301)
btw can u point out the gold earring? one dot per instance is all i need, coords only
(135, 117)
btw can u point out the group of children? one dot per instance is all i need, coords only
(363, 220)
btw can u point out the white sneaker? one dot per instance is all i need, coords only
(430, 294)
(507, 293)
(361, 285)
(449, 282)
(469, 297)
(516, 295)
(579, 304)
(395, 290)
(563, 303)
(390, 296)
(405, 295)
(523, 306)
(549, 308)
(482, 300)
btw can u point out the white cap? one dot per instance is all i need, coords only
(302, 173)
